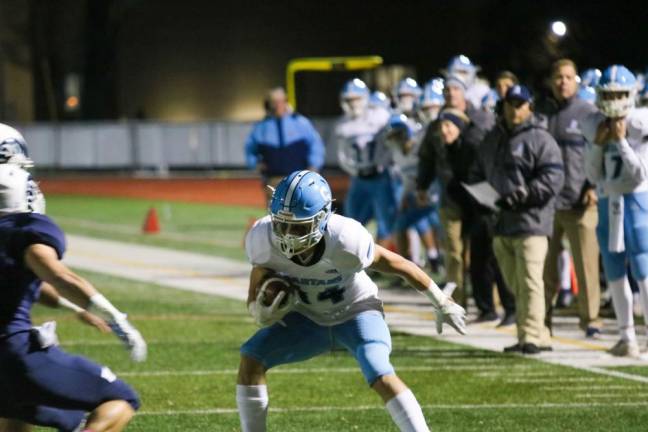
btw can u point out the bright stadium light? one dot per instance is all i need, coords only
(559, 28)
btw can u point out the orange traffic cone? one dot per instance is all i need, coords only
(151, 223)
(572, 276)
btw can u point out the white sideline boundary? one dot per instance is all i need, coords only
(440, 407)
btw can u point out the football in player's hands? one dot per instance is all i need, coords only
(271, 288)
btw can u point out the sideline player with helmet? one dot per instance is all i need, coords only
(403, 136)
(617, 161)
(335, 303)
(48, 386)
(476, 89)
(378, 99)
(365, 159)
(431, 101)
(406, 97)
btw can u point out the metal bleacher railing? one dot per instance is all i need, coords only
(147, 145)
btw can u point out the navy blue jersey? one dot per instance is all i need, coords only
(19, 286)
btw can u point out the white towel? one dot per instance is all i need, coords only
(616, 242)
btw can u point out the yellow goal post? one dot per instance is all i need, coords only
(325, 64)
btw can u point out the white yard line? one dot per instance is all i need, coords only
(405, 311)
(440, 407)
(343, 370)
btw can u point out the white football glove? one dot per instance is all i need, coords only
(453, 314)
(446, 310)
(130, 336)
(122, 328)
(267, 315)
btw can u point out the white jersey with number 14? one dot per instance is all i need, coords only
(336, 287)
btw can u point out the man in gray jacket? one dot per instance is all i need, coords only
(522, 162)
(576, 213)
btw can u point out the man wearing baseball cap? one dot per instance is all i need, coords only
(523, 163)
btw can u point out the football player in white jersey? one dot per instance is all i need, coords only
(371, 192)
(403, 136)
(617, 161)
(476, 88)
(335, 303)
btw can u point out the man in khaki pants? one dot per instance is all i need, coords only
(522, 162)
(576, 213)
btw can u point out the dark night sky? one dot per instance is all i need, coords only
(187, 60)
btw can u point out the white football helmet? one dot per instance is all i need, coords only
(14, 189)
(13, 147)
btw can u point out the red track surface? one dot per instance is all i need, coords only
(245, 192)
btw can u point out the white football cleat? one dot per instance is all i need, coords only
(625, 349)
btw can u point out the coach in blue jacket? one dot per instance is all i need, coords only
(283, 142)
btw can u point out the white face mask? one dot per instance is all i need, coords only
(614, 104)
(354, 107)
(295, 237)
(406, 103)
(429, 113)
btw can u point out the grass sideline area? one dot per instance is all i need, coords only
(188, 382)
(205, 228)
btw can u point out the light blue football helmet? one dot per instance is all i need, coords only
(13, 147)
(399, 130)
(590, 77)
(433, 92)
(379, 99)
(354, 97)
(615, 93)
(588, 94)
(489, 101)
(300, 209)
(407, 93)
(462, 66)
(431, 100)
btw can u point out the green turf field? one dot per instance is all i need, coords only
(188, 383)
(211, 229)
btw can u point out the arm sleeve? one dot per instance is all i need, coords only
(548, 174)
(251, 158)
(38, 230)
(257, 243)
(426, 172)
(316, 147)
(635, 158)
(356, 248)
(346, 163)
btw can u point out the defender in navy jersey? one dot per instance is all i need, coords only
(47, 386)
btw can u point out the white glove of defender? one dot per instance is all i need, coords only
(130, 336)
(122, 328)
(265, 316)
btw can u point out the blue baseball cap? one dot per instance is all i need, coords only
(520, 93)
